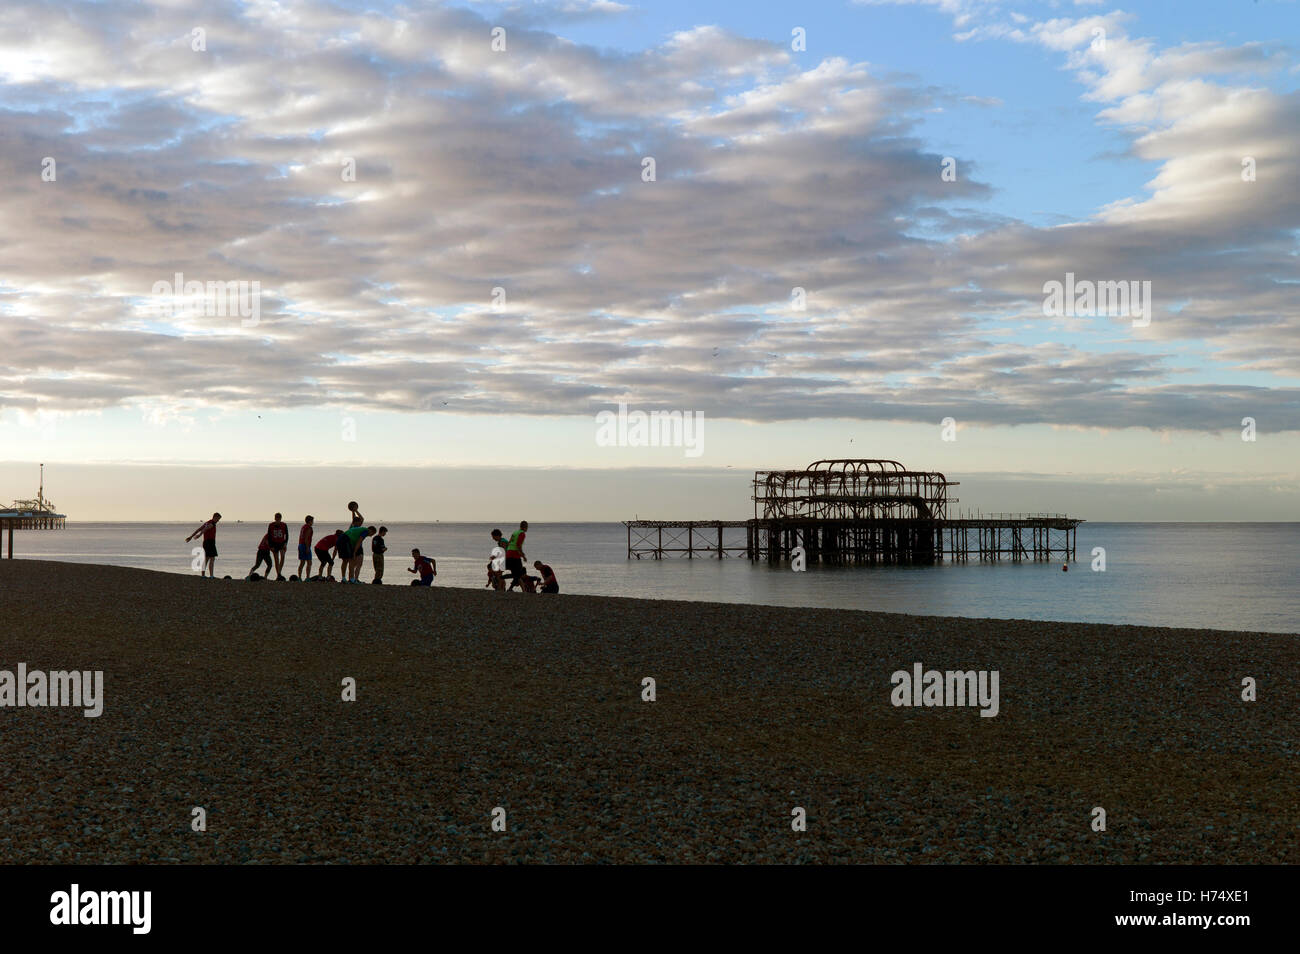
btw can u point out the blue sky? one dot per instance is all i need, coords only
(380, 342)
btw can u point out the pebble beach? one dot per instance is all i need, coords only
(228, 695)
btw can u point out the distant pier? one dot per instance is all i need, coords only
(859, 512)
(35, 514)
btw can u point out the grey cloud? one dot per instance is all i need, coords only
(523, 170)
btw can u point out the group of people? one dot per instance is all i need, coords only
(346, 547)
(508, 557)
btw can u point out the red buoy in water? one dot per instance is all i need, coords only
(1065, 568)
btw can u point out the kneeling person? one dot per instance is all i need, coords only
(426, 567)
(549, 583)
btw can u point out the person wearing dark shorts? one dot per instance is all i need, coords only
(515, 555)
(263, 556)
(423, 565)
(378, 546)
(209, 531)
(323, 548)
(304, 547)
(343, 547)
(277, 531)
(356, 541)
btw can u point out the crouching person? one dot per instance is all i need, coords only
(423, 565)
(549, 583)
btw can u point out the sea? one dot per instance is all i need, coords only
(1229, 576)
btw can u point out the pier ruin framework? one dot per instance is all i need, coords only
(857, 511)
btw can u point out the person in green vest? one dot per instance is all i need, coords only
(355, 537)
(515, 555)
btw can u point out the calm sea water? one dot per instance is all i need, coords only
(1220, 576)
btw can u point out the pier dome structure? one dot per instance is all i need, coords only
(852, 489)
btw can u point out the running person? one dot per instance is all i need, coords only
(515, 554)
(209, 531)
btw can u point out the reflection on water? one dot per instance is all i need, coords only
(1219, 576)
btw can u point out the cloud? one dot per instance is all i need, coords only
(522, 170)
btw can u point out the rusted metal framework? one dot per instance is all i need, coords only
(861, 511)
(850, 511)
(685, 538)
(851, 490)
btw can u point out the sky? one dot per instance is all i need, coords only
(436, 242)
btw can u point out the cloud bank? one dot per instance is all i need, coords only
(435, 224)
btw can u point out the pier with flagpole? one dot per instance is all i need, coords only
(32, 514)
